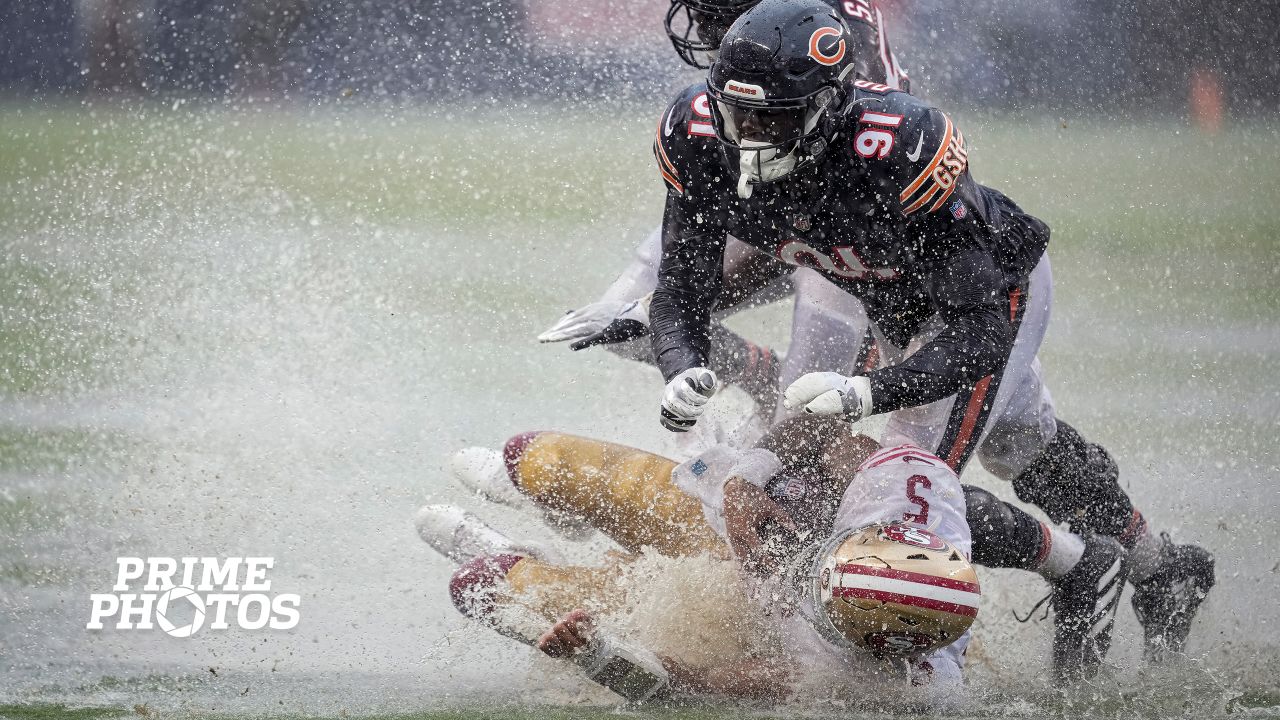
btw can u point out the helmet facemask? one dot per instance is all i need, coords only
(696, 28)
(773, 137)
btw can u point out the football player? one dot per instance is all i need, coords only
(871, 187)
(794, 484)
(828, 326)
(868, 575)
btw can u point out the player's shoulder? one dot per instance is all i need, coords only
(685, 140)
(904, 456)
(857, 12)
(910, 146)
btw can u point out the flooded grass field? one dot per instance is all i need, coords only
(260, 332)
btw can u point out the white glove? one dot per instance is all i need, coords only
(686, 397)
(828, 393)
(601, 323)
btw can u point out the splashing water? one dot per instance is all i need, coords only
(262, 334)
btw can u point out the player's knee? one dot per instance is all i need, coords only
(513, 451)
(1076, 481)
(985, 512)
(1003, 535)
(474, 586)
(990, 524)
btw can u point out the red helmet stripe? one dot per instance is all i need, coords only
(901, 599)
(907, 575)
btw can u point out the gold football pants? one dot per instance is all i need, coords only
(625, 493)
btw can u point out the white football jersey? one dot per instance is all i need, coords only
(902, 484)
(907, 485)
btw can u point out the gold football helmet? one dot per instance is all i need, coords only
(895, 589)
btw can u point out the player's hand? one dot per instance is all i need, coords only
(686, 398)
(748, 510)
(571, 633)
(828, 393)
(601, 323)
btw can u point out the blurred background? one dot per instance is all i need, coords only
(1095, 56)
(265, 264)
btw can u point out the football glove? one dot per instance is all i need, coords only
(686, 397)
(601, 323)
(828, 393)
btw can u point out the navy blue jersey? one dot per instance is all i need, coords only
(865, 21)
(889, 213)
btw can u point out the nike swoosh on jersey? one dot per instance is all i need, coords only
(914, 155)
(666, 126)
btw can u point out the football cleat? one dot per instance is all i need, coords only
(1166, 602)
(1084, 606)
(461, 536)
(484, 472)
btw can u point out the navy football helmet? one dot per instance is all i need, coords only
(778, 86)
(696, 27)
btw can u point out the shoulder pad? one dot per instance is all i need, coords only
(856, 11)
(912, 148)
(903, 455)
(685, 137)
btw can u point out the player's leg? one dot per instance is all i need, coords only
(521, 595)
(1075, 481)
(1086, 574)
(522, 578)
(1078, 482)
(625, 493)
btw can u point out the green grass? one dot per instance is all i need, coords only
(56, 711)
(416, 233)
(42, 711)
(462, 172)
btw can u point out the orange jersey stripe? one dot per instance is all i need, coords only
(970, 419)
(674, 183)
(945, 195)
(933, 164)
(662, 153)
(921, 201)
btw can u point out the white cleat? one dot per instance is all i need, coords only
(461, 536)
(484, 472)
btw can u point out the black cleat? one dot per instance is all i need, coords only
(1166, 602)
(1084, 607)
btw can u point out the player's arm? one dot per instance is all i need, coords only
(921, 160)
(689, 278)
(689, 273)
(748, 274)
(942, 205)
(750, 678)
(759, 529)
(974, 341)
